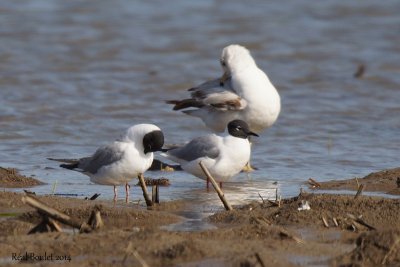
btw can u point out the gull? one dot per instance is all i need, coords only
(122, 160)
(224, 156)
(243, 92)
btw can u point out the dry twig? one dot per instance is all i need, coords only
(325, 221)
(259, 259)
(285, 233)
(51, 215)
(129, 250)
(216, 187)
(335, 222)
(360, 221)
(390, 251)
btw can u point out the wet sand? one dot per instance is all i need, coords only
(261, 233)
(385, 181)
(10, 178)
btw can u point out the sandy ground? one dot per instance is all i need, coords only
(10, 178)
(386, 181)
(360, 232)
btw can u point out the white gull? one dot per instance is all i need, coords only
(224, 156)
(122, 160)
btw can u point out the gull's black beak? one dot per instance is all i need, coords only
(224, 77)
(252, 133)
(147, 149)
(150, 149)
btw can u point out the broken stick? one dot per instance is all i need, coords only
(52, 213)
(325, 221)
(55, 214)
(46, 225)
(360, 221)
(216, 187)
(95, 220)
(155, 197)
(149, 203)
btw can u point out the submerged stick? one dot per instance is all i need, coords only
(216, 187)
(155, 194)
(149, 203)
(359, 191)
(261, 198)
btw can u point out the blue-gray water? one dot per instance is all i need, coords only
(75, 74)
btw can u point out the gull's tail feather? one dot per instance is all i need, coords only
(185, 103)
(69, 166)
(71, 163)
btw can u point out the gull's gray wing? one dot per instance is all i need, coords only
(210, 87)
(205, 146)
(212, 94)
(104, 156)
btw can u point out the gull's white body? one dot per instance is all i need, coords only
(120, 161)
(262, 103)
(233, 155)
(257, 101)
(132, 163)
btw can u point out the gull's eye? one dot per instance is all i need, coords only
(238, 128)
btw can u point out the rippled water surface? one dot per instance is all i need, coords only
(75, 74)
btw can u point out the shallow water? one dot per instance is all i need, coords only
(75, 74)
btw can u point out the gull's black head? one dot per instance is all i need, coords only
(240, 129)
(153, 141)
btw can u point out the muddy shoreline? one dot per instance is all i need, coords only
(357, 232)
(385, 181)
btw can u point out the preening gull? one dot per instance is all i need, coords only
(243, 92)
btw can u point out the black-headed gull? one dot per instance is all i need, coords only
(122, 160)
(224, 156)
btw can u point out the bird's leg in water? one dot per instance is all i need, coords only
(115, 193)
(220, 184)
(208, 183)
(127, 187)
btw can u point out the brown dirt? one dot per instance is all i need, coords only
(375, 248)
(386, 181)
(10, 178)
(257, 234)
